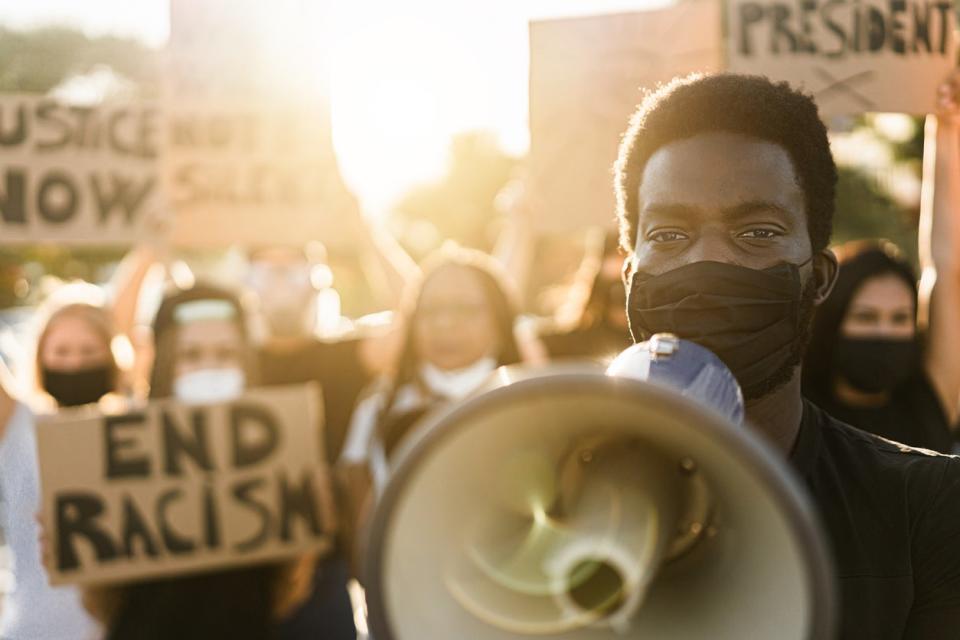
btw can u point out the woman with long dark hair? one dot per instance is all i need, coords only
(865, 363)
(884, 354)
(458, 322)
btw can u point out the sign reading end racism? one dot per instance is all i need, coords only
(175, 488)
(854, 56)
(83, 175)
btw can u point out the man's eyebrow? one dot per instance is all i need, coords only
(753, 207)
(668, 210)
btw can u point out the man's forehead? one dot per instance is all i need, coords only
(719, 170)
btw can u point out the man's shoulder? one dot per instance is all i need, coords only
(854, 451)
(839, 434)
(893, 516)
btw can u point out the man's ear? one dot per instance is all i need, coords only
(627, 270)
(825, 270)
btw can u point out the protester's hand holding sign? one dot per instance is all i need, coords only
(127, 285)
(947, 98)
(939, 303)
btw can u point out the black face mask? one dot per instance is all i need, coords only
(876, 365)
(754, 320)
(75, 388)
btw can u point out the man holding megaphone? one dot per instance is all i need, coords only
(725, 190)
(569, 504)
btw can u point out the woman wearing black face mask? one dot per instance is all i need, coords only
(882, 357)
(865, 363)
(75, 364)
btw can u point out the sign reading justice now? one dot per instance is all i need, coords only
(76, 174)
(175, 488)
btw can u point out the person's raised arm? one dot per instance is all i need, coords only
(127, 284)
(516, 244)
(939, 303)
(385, 263)
(133, 270)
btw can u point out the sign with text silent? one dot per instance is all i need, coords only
(74, 174)
(248, 157)
(175, 488)
(854, 56)
(253, 174)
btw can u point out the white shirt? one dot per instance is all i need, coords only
(34, 610)
(362, 444)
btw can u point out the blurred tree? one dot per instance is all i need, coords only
(869, 202)
(460, 206)
(865, 210)
(910, 148)
(38, 61)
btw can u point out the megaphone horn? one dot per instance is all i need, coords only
(573, 504)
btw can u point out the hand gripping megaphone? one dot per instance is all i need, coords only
(581, 505)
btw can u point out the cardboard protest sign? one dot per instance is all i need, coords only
(76, 175)
(248, 158)
(254, 174)
(586, 77)
(175, 489)
(854, 56)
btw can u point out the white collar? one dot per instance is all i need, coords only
(457, 383)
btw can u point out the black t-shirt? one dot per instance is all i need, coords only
(232, 603)
(336, 366)
(914, 416)
(893, 516)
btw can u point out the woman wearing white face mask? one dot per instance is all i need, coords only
(459, 327)
(203, 352)
(203, 356)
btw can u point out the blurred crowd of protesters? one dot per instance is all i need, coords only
(882, 357)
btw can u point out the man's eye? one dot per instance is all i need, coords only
(667, 236)
(759, 234)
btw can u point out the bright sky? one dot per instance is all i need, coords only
(404, 75)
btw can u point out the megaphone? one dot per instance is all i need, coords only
(582, 505)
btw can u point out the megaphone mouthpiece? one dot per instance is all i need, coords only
(692, 370)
